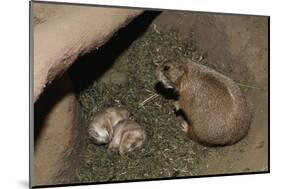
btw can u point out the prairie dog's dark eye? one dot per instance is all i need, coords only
(96, 134)
(166, 68)
(133, 145)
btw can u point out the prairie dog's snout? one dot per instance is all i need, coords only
(101, 127)
(128, 136)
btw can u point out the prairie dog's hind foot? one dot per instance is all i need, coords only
(182, 119)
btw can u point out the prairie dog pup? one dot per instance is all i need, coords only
(128, 136)
(101, 127)
(216, 109)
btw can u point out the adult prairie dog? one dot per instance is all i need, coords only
(216, 110)
(101, 127)
(128, 136)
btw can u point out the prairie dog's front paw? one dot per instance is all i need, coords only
(184, 126)
(176, 105)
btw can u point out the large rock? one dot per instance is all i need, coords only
(57, 131)
(66, 32)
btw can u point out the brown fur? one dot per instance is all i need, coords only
(216, 109)
(128, 136)
(101, 127)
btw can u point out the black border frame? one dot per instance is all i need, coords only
(31, 104)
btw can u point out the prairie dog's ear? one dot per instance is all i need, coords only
(176, 71)
(166, 65)
(182, 68)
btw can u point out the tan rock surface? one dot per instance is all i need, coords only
(68, 31)
(57, 135)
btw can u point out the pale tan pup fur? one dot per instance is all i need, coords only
(128, 136)
(101, 127)
(216, 110)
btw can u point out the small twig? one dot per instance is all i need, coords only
(149, 91)
(248, 86)
(156, 64)
(122, 173)
(155, 28)
(148, 100)
(200, 58)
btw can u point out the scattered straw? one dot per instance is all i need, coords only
(149, 99)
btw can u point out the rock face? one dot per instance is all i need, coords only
(67, 32)
(57, 129)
